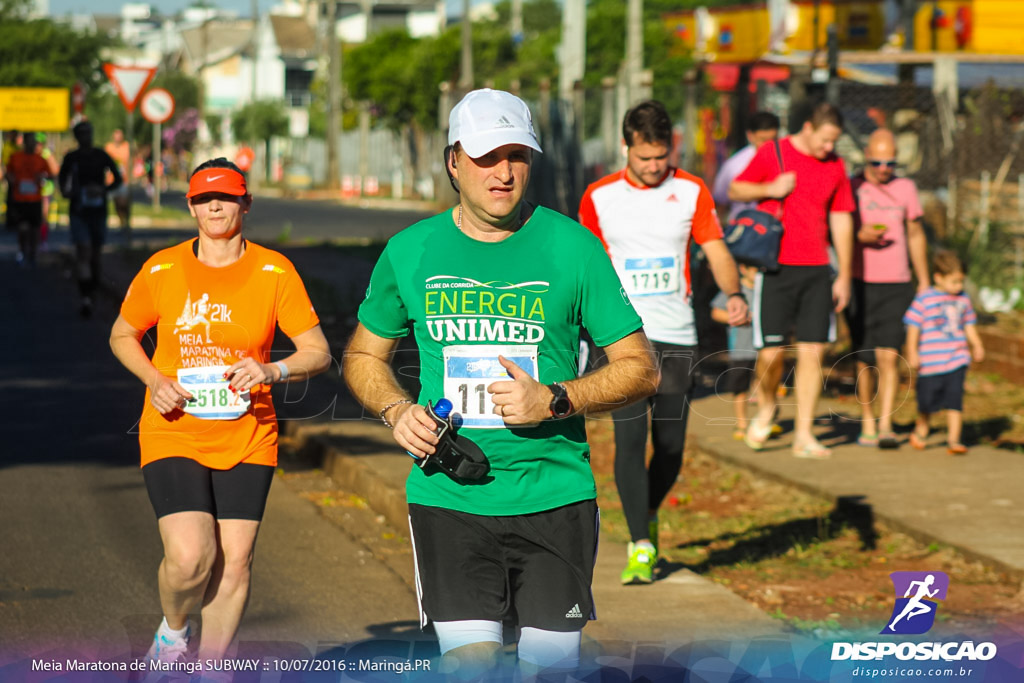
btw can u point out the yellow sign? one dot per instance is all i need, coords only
(34, 109)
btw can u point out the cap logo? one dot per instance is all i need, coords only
(211, 178)
(504, 123)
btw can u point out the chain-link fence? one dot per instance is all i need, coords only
(966, 160)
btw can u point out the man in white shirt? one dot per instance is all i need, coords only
(647, 215)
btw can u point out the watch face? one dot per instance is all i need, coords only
(562, 406)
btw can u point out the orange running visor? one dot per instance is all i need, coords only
(223, 180)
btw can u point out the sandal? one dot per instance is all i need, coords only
(887, 441)
(756, 436)
(867, 440)
(813, 451)
(917, 441)
(956, 449)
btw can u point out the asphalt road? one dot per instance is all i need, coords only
(79, 547)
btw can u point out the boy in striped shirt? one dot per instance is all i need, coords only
(941, 342)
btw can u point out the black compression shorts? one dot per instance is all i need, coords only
(183, 485)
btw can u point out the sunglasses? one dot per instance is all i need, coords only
(887, 164)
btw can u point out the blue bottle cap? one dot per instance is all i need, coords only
(443, 408)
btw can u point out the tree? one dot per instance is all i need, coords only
(259, 121)
(40, 53)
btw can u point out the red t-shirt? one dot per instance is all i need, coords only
(822, 187)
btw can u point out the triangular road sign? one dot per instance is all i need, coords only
(129, 81)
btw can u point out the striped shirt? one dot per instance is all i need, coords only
(942, 319)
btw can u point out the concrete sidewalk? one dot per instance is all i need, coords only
(973, 503)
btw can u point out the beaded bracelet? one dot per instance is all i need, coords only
(383, 412)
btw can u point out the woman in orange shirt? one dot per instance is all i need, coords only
(208, 433)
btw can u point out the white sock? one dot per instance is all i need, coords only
(646, 545)
(176, 634)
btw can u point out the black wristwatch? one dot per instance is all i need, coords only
(740, 295)
(560, 405)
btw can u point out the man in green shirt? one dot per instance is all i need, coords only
(496, 292)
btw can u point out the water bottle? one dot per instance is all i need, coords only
(439, 413)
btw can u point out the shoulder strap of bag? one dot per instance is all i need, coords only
(782, 169)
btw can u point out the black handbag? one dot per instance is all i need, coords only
(754, 236)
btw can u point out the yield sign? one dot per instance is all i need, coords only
(129, 81)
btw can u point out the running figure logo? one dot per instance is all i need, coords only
(914, 613)
(193, 314)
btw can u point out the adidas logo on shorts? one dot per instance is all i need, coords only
(574, 613)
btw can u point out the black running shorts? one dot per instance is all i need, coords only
(875, 314)
(794, 299)
(534, 569)
(183, 485)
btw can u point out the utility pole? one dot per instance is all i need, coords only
(634, 49)
(254, 45)
(466, 66)
(517, 22)
(333, 47)
(572, 53)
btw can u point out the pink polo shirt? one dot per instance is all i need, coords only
(891, 205)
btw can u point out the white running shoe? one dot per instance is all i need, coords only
(166, 649)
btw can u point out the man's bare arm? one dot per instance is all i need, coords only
(917, 244)
(630, 375)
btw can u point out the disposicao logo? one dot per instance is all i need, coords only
(917, 602)
(914, 612)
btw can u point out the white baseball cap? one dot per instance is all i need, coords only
(486, 119)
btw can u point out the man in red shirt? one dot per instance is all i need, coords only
(811, 193)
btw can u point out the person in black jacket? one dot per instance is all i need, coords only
(83, 180)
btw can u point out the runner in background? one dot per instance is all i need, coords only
(83, 180)
(208, 432)
(647, 215)
(12, 143)
(27, 171)
(49, 188)
(120, 151)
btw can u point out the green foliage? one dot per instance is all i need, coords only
(40, 53)
(400, 75)
(259, 121)
(213, 124)
(989, 260)
(14, 9)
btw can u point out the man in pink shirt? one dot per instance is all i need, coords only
(888, 229)
(811, 193)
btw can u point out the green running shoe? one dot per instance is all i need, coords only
(640, 568)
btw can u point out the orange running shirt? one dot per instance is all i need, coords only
(215, 316)
(27, 173)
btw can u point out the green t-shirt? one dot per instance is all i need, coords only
(526, 298)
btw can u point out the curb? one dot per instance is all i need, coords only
(351, 471)
(850, 506)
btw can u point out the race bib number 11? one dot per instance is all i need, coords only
(212, 399)
(470, 369)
